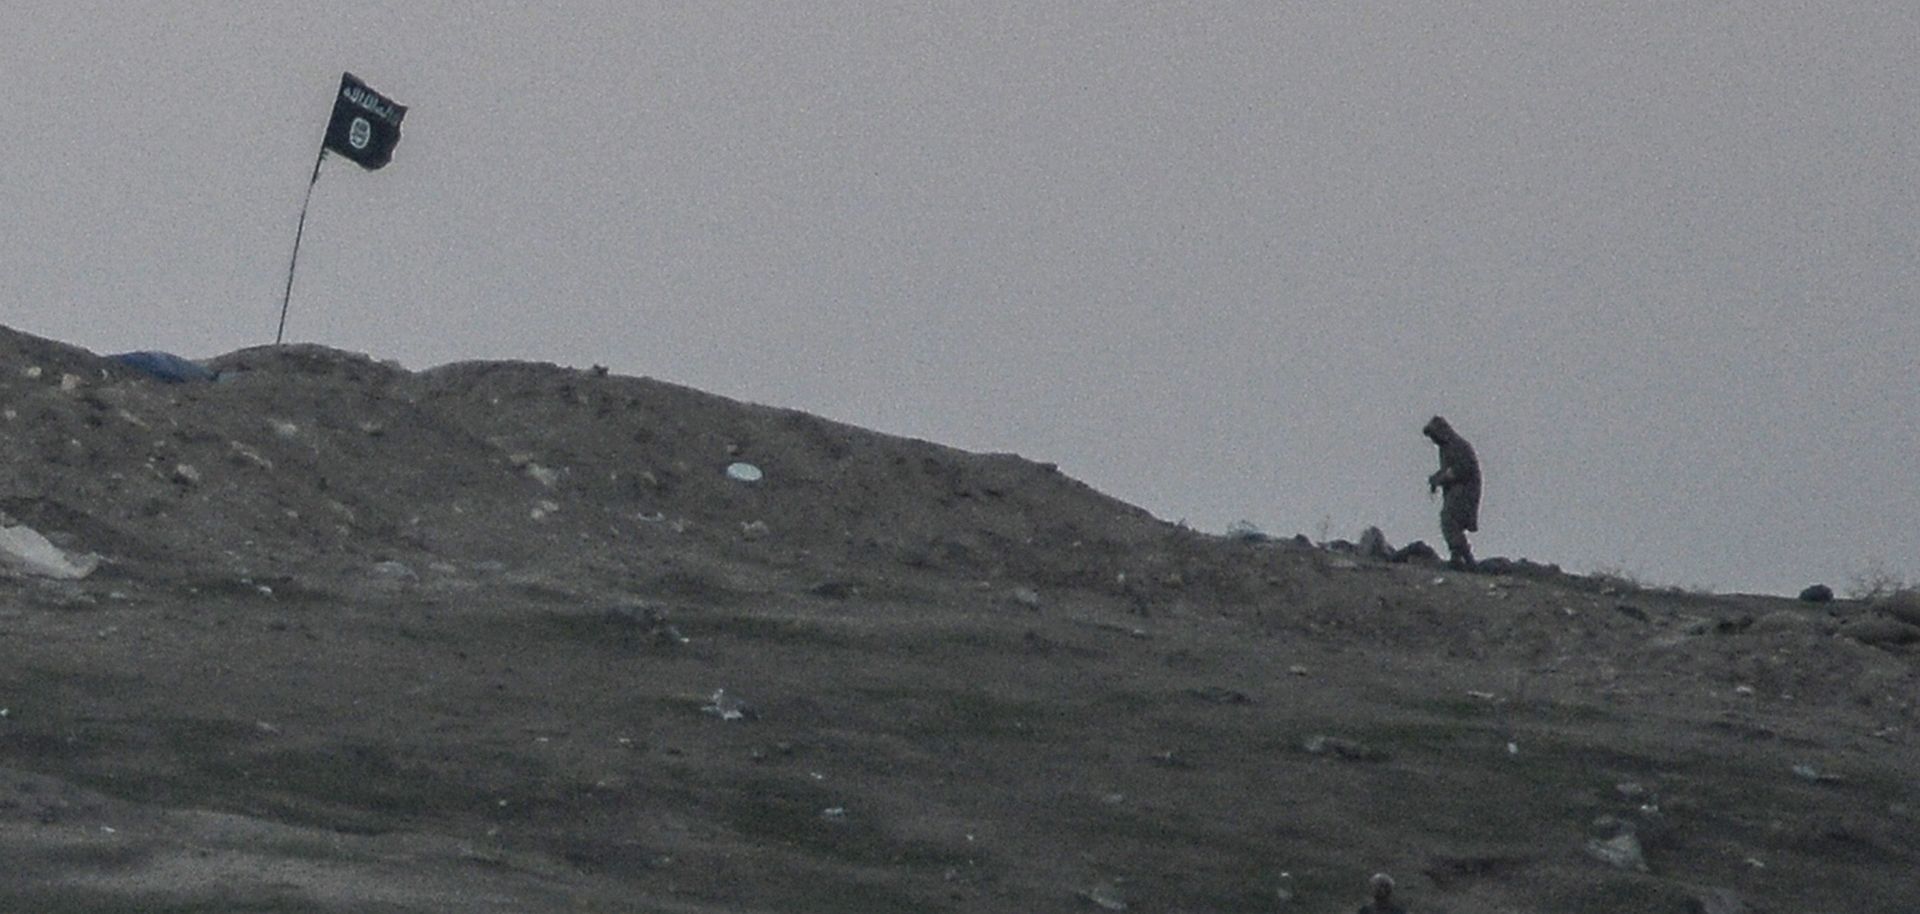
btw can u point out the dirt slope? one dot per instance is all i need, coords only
(365, 639)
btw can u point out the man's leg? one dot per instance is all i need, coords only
(1460, 555)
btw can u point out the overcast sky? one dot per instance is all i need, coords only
(1659, 262)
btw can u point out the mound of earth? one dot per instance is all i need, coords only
(510, 637)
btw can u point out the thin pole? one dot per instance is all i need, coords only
(281, 333)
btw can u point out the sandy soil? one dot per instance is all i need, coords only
(370, 640)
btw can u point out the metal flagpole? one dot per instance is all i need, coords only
(279, 334)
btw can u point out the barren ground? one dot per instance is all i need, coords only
(369, 640)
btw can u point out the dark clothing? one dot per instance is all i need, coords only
(1458, 481)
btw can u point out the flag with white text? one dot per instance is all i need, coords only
(365, 125)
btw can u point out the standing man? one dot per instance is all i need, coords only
(1458, 482)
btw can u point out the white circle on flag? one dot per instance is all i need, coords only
(359, 132)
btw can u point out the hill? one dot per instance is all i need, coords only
(517, 637)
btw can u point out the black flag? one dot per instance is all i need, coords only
(365, 125)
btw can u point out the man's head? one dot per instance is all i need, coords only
(1382, 887)
(1437, 429)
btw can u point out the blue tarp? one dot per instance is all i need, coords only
(166, 366)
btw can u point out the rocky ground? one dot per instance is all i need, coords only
(509, 637)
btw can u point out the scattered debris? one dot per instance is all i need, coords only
(1247, 532)
(1166, 758)
(727, 707)
(166, 366)
(1814, 775)
(647, 619)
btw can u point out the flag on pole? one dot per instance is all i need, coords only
(365, 125)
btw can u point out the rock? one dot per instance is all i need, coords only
(1717, 901)
(1026, 596)
(243, 455)
(1416, 551)
(1105, 896)
(1343, 748)
(754, 530)
(1221, 695)
(1373, 544)
(1818, 593)
(23, 549)
(394, 571)
(1621, 851)
(185, 474)
(1903, 605)
(1881, 631)
(546, 476)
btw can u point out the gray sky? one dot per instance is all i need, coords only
(1657, 261)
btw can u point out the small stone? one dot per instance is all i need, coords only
(1026, 596)
(1721, 901)
(394, 571)
(1347, 749)
(1621, 851)
(185, 474)
(1106, 896)
(754, 530)
(1373, 544)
